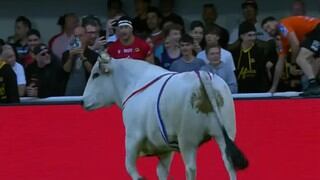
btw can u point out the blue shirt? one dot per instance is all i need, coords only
(181, 65)
(225, 72)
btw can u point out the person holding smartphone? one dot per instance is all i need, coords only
(78, 61)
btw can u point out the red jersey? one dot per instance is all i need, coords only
(300, 25)
(139, 49)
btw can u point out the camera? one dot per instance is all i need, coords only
(75, 43)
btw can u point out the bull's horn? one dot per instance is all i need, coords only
(104, 57)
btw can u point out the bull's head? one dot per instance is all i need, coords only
(99, 90)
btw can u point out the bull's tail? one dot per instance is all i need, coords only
(238, 159)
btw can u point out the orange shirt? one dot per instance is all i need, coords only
(300, 25)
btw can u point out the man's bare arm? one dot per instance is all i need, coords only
(277, 73)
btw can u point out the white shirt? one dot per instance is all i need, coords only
(226, 57)
(21, 78)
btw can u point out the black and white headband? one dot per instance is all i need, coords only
(125, 23)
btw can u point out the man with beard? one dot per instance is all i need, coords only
(94, 32)
(78, 61)
(128, 45)
(301, 35)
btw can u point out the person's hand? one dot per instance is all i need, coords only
(99, 43)
(32, 91)
(76, 52)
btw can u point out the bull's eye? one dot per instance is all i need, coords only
(95, 75)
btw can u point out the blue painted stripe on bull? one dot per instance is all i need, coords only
(159, 117)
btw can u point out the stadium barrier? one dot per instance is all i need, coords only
(54, 138)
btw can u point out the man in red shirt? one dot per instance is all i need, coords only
(301, 35)
(128, 45)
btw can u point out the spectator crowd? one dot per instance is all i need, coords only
(273, 55)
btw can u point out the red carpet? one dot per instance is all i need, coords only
(280, 137)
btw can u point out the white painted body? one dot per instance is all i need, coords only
(183, 121)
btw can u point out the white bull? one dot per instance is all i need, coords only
(193, 109)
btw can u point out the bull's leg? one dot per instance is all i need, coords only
(164, 165)
(222, 146)
(132, 150)
(188, 153)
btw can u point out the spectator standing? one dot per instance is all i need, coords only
(8, 83)
(34, 39)
(209, 16)
(197, 33)
(128, 45)
(115, 8)
(250, 13)
(45, 76)
(140, 21)
(169, 51)
(59, 43)
(218, 67)
(78, 62)
(188, 62)
(298, 8)
(20, 40)
(250, 58)
(154, 20)
(212, 39)
(9, 55)
(96, 36)
(167, 10)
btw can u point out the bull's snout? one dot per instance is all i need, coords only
(86, 104)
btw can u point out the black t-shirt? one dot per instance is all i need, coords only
(8, 84)
(251, 68)
(50, 79)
